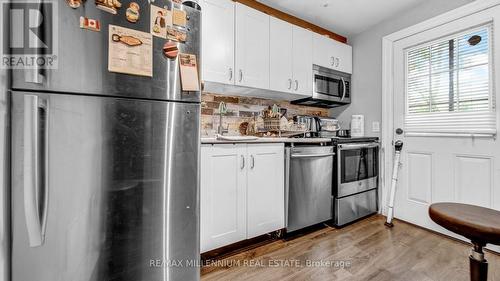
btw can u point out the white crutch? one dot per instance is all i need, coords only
(398, 146)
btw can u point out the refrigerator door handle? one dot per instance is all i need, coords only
(34, 169)
(36, 74)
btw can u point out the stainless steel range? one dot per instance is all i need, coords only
(355, 187)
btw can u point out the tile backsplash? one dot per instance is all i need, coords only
(243, 109)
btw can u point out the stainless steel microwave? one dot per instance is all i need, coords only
(330, 88)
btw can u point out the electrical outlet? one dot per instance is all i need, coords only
(376, 127)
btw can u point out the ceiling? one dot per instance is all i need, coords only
(344, 17)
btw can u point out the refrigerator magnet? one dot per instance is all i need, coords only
(110, 6)
(130, 51)
(160, 18)
(176, 34)
(90, 24)
(179, 17)
(170, 50)
(132, 14)
(74, 3)
(189, 72)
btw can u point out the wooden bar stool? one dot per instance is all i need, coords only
(480, 225)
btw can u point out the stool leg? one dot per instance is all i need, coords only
(478, 264)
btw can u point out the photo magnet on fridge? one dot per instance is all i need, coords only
(179, 17)
(160, 19)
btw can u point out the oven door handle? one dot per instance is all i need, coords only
(311, 155)
(357, 146)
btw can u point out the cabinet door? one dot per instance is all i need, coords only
(281, 56)
(223, 195)
(302, 61)
(265, 190)
(252, 47)
(343, 57)
(218, 35)
(322, 51)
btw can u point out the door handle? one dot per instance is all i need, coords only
(35, 74)
(241, 75)
(252, 164)
(312, 155)
(344, 90)
(35, 169)
(296, 85)
(242, 162)
(230, 73)
(399, 131)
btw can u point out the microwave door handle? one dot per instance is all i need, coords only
(34, 170)
(343, 89)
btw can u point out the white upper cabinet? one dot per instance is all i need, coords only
(218, 41)
(290, 58)
(252, 48)
(302, 61)
(332, 54)
(281, 55)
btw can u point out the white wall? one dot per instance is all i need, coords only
(367, 61)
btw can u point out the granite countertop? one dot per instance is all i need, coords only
(213, 140)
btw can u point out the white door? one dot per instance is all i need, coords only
(266, 189)
(252, 47)
(280, 55)
(218, 38)
(223, 195)
(302, 61)
(439, 164)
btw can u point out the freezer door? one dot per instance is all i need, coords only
(104, 189)
(82, 55)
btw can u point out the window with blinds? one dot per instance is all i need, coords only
(448, 85)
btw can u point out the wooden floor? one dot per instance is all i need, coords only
(366, 250)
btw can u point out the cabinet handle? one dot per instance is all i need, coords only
(230, 73)
(241, 75)
(333, 61)
(289, 84)
(252, 165)
(242, 162)
(337, 62)
(296, 85)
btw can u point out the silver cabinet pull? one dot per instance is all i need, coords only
(242, 162)
(35, 169)
(241, 75)
(252, 165)
(337, 62)
(289, 84)
(296, 85)
(333, 61)
(230, 73)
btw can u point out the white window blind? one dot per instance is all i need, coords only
(448, 85)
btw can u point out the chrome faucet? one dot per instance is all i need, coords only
(222, 110)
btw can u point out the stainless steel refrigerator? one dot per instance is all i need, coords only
(104, 166)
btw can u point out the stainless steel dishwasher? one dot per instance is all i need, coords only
(309, 179)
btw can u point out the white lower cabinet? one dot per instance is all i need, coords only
(242, 192)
